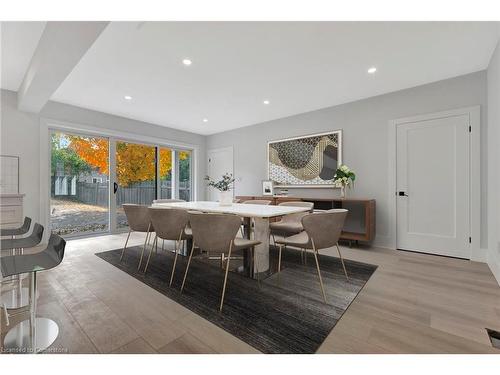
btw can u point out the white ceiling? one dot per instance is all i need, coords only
(18, 42)
(298, 66)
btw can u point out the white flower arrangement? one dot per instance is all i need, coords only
(344, 176)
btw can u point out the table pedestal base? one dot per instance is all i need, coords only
(18, 339)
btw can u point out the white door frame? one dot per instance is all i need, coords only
(47, 125)
(219, 149)
(474, 114)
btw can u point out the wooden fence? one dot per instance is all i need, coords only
(142, 193)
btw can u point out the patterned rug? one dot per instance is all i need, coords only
(286, 314)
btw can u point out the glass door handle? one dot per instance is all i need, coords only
(115, 187)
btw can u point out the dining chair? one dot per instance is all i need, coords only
(321, 231)
(170, 224)
(290, 224)
(11, 232)
(216, 233)
(139, 220)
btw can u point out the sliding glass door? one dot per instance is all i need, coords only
(79, 186)
(92, 177)
(135, 177)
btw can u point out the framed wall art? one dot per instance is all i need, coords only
(305, 161)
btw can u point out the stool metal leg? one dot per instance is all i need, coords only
(34, 334)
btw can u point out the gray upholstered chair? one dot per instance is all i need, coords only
(168, 200)
(11, 232)
(139, 220)
(216, 233)
(290, 224)
(170, 224)
(321, 231)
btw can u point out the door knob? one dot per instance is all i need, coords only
(115, 187)
(402, 194)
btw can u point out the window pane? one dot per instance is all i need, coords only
(165, 169)
(79, 190)
(185, 175)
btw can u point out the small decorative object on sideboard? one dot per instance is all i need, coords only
(267, 187)
(344, 177)
(224, 187)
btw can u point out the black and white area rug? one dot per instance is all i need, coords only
(286, 314)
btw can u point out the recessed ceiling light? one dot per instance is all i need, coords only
(372, 70)
(205, 120)
(187, 62)
(127, 97)
(266, 102)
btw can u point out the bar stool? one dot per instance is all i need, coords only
(23, 229)
(19, 297)
(36, 333)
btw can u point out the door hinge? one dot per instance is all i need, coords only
(470, 240)
(470, 129)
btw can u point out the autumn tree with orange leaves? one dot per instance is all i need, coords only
(134, 162)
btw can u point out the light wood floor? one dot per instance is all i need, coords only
(414, 303)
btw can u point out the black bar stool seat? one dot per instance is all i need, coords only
(17, 231)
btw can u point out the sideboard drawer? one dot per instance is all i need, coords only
(11, 215)
(11, 201)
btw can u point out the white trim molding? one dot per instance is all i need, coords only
(474, 113)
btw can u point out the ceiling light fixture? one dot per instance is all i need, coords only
(205, 120)
(187, 62)
(127, 97)
(372, 70)
(266, 102)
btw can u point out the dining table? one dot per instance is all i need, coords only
(257, 215)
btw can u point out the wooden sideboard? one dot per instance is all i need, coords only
(360, 222)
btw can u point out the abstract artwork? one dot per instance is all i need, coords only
(309, 160)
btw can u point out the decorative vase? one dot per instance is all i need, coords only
(342, 191)
(225, 198)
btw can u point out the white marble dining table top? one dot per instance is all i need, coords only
(244, 210)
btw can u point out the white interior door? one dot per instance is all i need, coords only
(433, 182)
(220, 162)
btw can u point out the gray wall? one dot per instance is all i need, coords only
(494, 163)
(20, 135)
(365, 140)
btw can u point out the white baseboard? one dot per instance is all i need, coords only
(480, 256)
(494, 264)
(385, 242)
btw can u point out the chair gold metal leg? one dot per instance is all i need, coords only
(342, 261)
(177, 249)
(225, 277)
(279, 258)
(144, 248)
(315, 253)
(155, 242)
(126, 242)
(187, 267)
